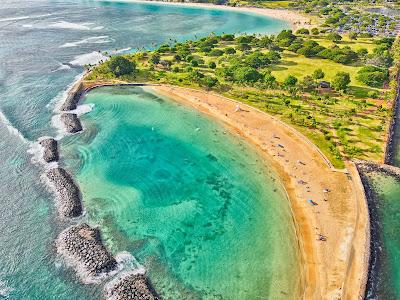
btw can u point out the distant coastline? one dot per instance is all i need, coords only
(294, 18)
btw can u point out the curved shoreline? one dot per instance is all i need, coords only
(326, 264)
(294, 18)
(336, 267)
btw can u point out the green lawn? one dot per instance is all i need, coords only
(300, 66)
(353, 44)
(264, 4)
(342, 125)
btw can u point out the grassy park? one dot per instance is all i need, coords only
(318, 83)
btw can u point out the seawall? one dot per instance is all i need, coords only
(73, 97)
(390, 143)
(376, 244)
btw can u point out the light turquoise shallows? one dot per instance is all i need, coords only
(195, 205)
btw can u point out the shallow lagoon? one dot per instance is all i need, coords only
(194, 204)
(44, 45)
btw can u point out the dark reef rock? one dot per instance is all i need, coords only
(82, 247)
(68, 195)
(71, 122)
(73, 98)
(131, 286)
(368, 167)
(376, 244)
(50, 150)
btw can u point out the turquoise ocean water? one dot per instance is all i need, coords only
(43, 47)
(195, 205)
(386, 190)
(387, 279)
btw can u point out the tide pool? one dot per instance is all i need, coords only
(197, 206)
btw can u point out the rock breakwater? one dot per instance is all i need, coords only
(82, 247)
(71, 122)
(131, 286)
(67, 193)
(368, 167)
(365, 169)
(73, 97)
(50, 150)
(390, 143)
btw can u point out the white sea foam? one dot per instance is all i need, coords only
(74, 26)
(88, 58)
(36, 150)
(58, 100)
(62, 67)
(90, 40)
(12, 129)
(15, 18)
(127, 263)
(5, 290)
(24, 17)
(120, 50)
(59, 126)
(81, 272)
(82, 109)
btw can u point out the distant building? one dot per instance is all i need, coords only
(324, 85)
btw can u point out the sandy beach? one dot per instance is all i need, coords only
(333, 232)
(294, 18)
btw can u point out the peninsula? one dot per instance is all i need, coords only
(296, 97)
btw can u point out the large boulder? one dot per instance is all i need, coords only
(131, 286)
(67, 193)
(73, 98)
(83, 249)
(50, 150)
(71, 122)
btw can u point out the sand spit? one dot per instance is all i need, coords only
(130, 286)
(50, 150)
(71, 122)
(67, 193)
(83, 249)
